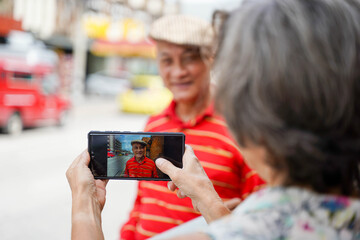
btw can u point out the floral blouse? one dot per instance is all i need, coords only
(290, 213)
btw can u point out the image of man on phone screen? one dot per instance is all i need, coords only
(140, 166)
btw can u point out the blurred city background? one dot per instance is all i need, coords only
(68, 67)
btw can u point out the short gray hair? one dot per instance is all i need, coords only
(289, 74)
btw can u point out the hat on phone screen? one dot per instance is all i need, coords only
(182, 30)
(139, 141)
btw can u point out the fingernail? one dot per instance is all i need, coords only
(159, 161)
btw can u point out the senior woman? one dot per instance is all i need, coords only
(290, 92)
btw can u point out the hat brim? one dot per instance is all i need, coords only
(139, 142)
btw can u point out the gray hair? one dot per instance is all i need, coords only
(289, 74)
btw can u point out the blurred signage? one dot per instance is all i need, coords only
(96, 25)
(100, 26)
(145, 49)
(124, 37)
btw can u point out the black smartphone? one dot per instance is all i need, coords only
(132, 155)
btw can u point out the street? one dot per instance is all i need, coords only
(35, 196)
(116, 165)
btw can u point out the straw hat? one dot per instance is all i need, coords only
(138, 141)
(182, 30)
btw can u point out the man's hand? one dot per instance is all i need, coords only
(88, 199)
(193, 182)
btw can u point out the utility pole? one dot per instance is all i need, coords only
(79, 40)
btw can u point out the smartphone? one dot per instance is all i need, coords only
(132, 155)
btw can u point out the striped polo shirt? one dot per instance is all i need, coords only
(156, 209)
(145, 168)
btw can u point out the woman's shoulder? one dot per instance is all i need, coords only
(295, 199)
(273, 213)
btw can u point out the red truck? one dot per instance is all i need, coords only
(29, 91)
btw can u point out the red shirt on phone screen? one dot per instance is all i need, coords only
(145, 169)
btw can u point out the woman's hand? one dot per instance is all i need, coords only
(88, 199)
(232, 203)
(82, 181)
(193, 182)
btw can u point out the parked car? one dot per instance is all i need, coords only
(29, 90)
(110, 154)
(105, 84)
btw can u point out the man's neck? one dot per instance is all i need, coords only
(187, 111)
(139, 160)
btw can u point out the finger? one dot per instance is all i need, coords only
(232, 203)
(189, 149)
(75, 162)
(72, 166)
(84, 158)
(171, 186)
(101, 183)
(188, 155)
(166, 167)
(79, 159)
(180, 194)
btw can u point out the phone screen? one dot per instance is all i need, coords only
(128, 155)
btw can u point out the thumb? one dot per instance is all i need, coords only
(232, 203)
(85, 157)
(165, 166)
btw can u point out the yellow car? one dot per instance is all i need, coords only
(147, 95)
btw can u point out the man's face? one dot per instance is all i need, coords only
(183, 70)
(138, 150)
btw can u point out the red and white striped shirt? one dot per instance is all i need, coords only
(156, 209)
(143, 169)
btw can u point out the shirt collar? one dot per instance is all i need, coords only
(171, 113)
(139, 162)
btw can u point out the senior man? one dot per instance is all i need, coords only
(184, 57)
(140, 166)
